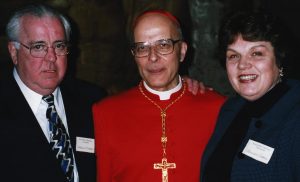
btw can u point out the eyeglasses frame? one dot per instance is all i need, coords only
(46, 50)
(173, 44)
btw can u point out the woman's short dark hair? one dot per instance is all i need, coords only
(255, 26)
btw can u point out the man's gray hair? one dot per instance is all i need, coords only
(13, 27)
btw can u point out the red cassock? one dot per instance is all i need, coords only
(128, 130)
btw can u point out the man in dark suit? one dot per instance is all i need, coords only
(38, 46)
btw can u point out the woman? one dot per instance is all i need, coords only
(257, 135)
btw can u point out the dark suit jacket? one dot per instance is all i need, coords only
(279, 128)
(25, 154)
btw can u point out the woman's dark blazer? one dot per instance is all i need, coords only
(279, 128)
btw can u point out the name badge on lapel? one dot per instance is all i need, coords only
(258, 151)
(85, 144)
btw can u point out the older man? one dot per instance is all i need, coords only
(46, 121)
(157, 130)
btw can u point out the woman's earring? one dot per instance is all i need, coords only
(281, 72)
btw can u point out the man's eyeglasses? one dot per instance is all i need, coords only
(163, 47)
(39, 50)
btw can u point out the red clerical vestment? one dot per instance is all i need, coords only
(128, 129)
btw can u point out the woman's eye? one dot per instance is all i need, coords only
(232, 57)
(257, 54)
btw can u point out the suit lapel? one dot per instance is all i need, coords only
(28, 134)
(16, 103)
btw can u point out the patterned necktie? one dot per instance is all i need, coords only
(59, 139)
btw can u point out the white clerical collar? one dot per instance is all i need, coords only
(31, 97)
(164, 95)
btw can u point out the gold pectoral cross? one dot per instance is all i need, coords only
(164, 166)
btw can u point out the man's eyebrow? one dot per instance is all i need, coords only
(37, 42)
(43, 42)
(59, 41)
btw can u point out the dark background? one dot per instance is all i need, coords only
(101, 29)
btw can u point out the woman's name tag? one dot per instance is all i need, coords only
(258, 151)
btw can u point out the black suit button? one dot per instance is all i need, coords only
(241, 155)
(258, 124)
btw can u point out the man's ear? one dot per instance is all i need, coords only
(183, 51)
(13, 52)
